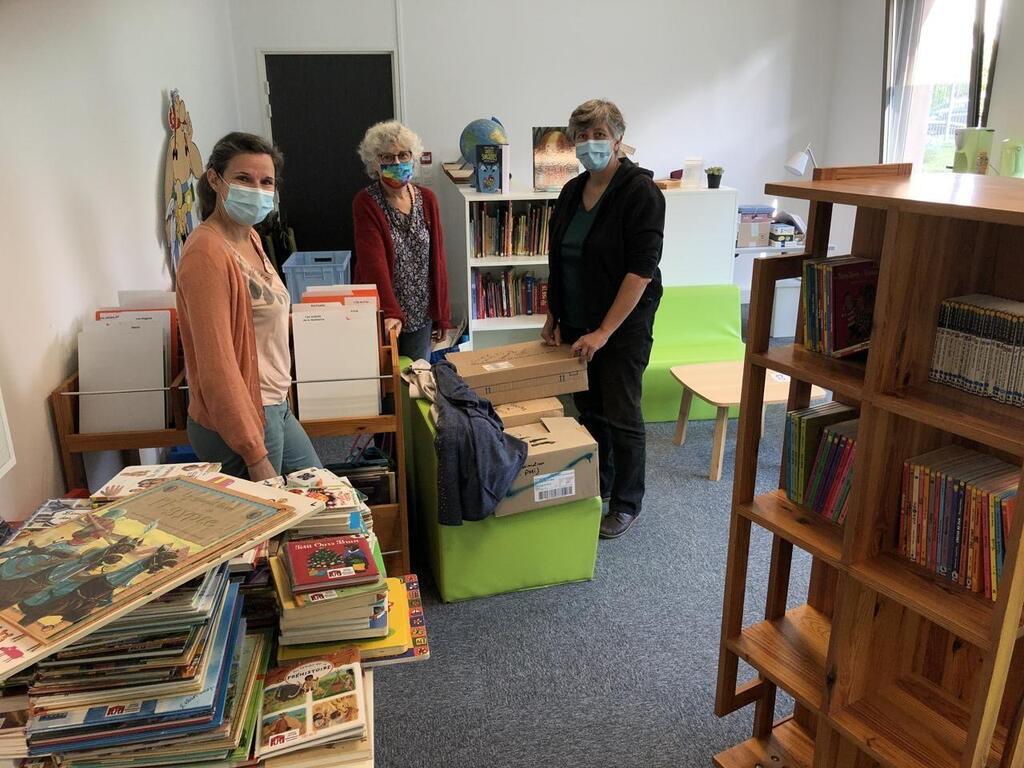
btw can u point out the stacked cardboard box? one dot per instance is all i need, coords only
(561, 465)
(753, 226)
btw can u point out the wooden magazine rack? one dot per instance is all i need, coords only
(390, 521)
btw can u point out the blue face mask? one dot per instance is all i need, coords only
(248, 205)
(594, 154)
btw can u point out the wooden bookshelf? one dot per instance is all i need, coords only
(889, 664)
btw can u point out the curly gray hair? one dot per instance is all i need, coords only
(382, 136)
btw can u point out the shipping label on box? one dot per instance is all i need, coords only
(561, 466)
(524, 371)
(529, 411)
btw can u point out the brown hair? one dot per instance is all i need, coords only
(233, 144)
(596, 112)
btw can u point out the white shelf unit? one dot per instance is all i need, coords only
(700, 240)
(455, 200)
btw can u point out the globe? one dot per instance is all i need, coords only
(482, 131)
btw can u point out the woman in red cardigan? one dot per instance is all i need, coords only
(399, 244)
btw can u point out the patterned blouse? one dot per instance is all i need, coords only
(411, 278)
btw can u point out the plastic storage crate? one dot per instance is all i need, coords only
(306, 268)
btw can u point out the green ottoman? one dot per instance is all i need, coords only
(548, 546)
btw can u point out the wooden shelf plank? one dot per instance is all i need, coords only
(812, 533)
(788, 746)
(912, 724)
(843, 376)
(976, 418)
(963, 613)
(125, 441)
(487, 262)
(790, 652)
(514, 323)
(350, 426)
(954, 195)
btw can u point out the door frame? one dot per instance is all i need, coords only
(261, 66)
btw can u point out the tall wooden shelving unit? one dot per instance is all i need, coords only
(888, 665)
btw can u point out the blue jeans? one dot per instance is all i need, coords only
(416, 344)
(288, 445)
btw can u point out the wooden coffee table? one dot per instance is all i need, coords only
(720, 384)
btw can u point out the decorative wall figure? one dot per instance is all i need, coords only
(181, 175)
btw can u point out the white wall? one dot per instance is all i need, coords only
(741, 84)
(855, 99)
(1007, 109)
(328, 25)
(83, 86)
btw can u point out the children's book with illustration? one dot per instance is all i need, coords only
(310, 702)
(554, 159)
(334, 562)
(66, 581)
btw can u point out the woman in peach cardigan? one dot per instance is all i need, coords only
(233, 312)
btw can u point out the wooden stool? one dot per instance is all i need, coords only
(720, 384)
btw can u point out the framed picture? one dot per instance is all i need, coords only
(6, 445)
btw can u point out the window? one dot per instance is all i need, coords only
(940, 55)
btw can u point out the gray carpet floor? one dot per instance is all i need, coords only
(617, 672)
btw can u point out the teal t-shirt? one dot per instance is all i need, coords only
(573, 268)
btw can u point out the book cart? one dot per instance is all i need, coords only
(390, 521)
(888, 665)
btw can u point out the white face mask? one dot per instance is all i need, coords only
(247, 205)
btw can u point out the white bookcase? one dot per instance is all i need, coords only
(700, 239)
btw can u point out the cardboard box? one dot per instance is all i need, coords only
(529, 411)
(783, 229)
(561, 466)
(753, 234)
(755, 218)
(524, 371)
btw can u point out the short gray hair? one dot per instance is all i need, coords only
(594, 113)
(382, 135)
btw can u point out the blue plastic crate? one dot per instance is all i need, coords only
(306, 268)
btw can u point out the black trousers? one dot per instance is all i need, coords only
(610, 409)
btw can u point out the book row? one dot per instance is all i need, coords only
(956, 510)
(819, 448)
(979, 347)
(507, 294)
(838, 303)
(497, 229)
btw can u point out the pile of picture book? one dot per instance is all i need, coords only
(125, 639)
(820, 444)
(979, 347)
(956, 510)
(839, 303)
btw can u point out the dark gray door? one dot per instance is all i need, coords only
(320, 107)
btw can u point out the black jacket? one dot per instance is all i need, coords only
(476, 460)
(626, 236)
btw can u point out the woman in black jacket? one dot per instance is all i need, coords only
(606, 235)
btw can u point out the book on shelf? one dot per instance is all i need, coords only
(488, 168)
(979, 347)
(508, 294)
(839, 301)
(956, 512)
(802, 436)
(554, 159)
(504, 229)
(831, 478)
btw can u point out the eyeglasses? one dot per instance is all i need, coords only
(390, 159)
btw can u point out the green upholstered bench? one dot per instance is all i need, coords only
(534, 549)
(694, 324)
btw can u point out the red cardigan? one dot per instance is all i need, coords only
(375, 255)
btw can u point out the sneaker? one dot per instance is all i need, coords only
(614, 524)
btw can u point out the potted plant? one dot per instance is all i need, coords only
(714, 176)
